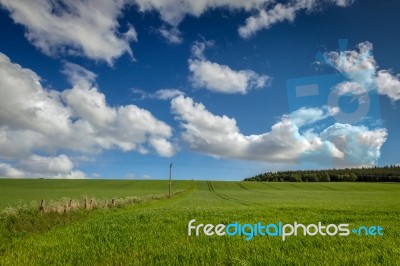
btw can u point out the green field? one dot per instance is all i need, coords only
(31, 191)
(155, 232)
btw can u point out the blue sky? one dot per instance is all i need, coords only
(99, 89)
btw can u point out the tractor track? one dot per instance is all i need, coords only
(242, 186)
(228, 198)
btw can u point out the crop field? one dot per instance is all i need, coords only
(156, 232)
(31, 191)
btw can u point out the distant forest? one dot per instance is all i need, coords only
(375, 174)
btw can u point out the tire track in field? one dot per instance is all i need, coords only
(328, 187)
(210, 188)
(299, 187)
(226, 197)
(271, 186)
(264, 193)
(242, 186)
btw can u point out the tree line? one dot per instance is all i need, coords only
(374, 174)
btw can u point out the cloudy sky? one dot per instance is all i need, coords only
(224, 89)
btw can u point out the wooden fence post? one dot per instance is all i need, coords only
(41, 207)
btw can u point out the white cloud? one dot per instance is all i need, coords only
(388, 84)
(130, 34)
(163, 94)
(360, 67)
(85, 101)
(162, 146)
(88, 28)
(360, 145)
(79, 119)
(78, 75)
(221, 78)
(279, 12)
(25, 105)
(220, 136)
(172, 35)
(199, 47)
(174, 11)
(91, 28)
(36, 166)
(357, 65)
(167, 94)
(127, 127)
(344, 3)
(265, 19)
(54, 165)
(7, 170)
(349, 87)
(306, 116)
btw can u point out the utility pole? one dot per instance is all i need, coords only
(170, 176)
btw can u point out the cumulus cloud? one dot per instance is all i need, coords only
(221, 78)
(88, 28)
(349, 87)
(360, 67)
(78, 119)
(357, 65)
(54, 165)
(219, 136)
(40, 166)
(25, 105)
(127, 127)
(388, 84)
(7, 170)
(307, 116)
(360, 145)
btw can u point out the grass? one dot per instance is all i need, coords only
(155, 232)
(25, 191)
